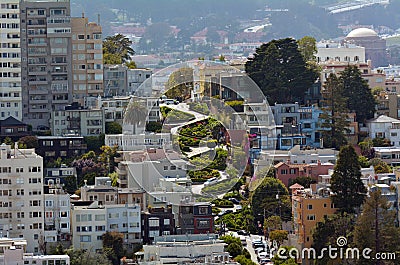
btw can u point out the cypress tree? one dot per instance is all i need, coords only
(349, 191)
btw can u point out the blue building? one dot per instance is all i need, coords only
(310, 125)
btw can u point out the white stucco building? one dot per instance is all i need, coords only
(56, 213)
(385, 127)
(12, 252)
(89, 221)
(132, 142)
(10, 76)
(185, 249)
(21, 191)
(330, 51)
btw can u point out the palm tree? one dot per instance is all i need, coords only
(117, 49)
(135, 114)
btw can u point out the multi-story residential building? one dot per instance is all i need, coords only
(52, 147)
(136, 77)
(186, 249)
(13, 252)
(119, 80)
(298, 155)
(89, 221)
(126, 219)
(88, 224)
(157, 222)
(87, 59)
(22, 209)
(389, 155)
(10, 60)
(105, 194)
(288, 126)
(77, 120)
(114, 108)
(56, 215)
(309, 207)
(101, 191)
(336, 51)
(385, 127)
(13, 128)
(47, 66)
(66, 176)
(287, 172)
(134, 142)
(195, 218)
(374, 79)
(310, 125)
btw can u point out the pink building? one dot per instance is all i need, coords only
(286, 171)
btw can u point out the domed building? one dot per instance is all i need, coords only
(375, 47)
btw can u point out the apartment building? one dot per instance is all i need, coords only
(52, 147)
(10, 60)
(287, 172)
(21, 191)
(12, 252)
(105, 194)
(89, 221)
(87, 59)
(56, 215)
(46, 66)
(76, 120)
(309, 206)
(119, 80)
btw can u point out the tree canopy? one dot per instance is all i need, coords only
(117, 49)
(180, 83)
(334, 118)
(375, 228)
(307, 47)
(358, 93)
(280, 70)
(349, 191)
(272, 198)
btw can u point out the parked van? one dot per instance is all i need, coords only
(170, 101)
(210, 181)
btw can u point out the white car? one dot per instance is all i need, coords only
(210, 181)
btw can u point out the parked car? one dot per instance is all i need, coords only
(234, 200)
(210, 181)
(243, 240)
(242, 232)
(170, 101)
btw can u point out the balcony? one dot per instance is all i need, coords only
(37, 82)
(34, 110)
(38, 91)
(122, 183)
(78, 146)
(121, 172)
(38, 101)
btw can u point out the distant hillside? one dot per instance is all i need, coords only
(302, 18)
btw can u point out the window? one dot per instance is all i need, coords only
(86, 238)
(309, 206)
(166, 222)
(311, 217)
(284, 171)
(154, 222)
(99, 217)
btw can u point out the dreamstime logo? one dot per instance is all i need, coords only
(332, 252)
(341, 241)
